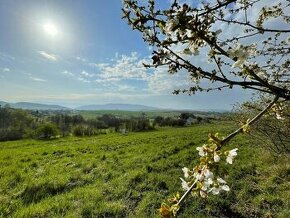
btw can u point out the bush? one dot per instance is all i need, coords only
(47, 131)
(10, 134)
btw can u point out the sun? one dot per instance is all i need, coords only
(50, 29)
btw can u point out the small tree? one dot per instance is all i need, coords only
(14, 123)
(47, 131)
(252, 55)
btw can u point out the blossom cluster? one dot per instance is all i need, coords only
(278, 110)
(205, 179)
(241, 53)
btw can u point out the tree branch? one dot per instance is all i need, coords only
(232, 135)
(226, 140)
(218, 6)
(260, 29)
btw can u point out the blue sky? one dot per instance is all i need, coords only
(94, 58)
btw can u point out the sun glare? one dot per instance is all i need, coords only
(50, 29)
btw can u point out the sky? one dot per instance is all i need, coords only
(76, 52)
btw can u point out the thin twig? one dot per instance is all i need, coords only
(254, 27)
(187, 192)
(232, 135)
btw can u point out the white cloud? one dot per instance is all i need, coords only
(126, 88)
(5, 69)
(38, 79)
(26, 73)
(83, 76)
(4, 56)
(99, 65)
(124, 67)
(114, 79)
(86, 74)
(83, 80)
(163, 82)
(82, 59)
(51, 57)
(67, 73)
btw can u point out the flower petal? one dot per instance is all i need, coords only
(225, 188)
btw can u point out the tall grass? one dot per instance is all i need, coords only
(117, 175)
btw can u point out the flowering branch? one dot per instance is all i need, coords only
(195, 28)
(204, 180)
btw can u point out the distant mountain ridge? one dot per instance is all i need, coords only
(96, 107)
(124, 107)
(34, 106)
(38, 106)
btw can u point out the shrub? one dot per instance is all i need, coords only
(47, 131)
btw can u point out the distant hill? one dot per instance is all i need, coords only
(123, 107)
(2, 103)
(33, 106)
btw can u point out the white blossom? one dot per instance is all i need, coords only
(186, 172)
(262, 74)
(215, 190)
(279, 117)
(223, 185)
(231, 155)
(225, 188)
(170, 25)
(188, 33)
(148, 34)
(201, 151)
(206, 184)
(184, 184)
(216, 157)
(193, 48)
(208, 174)
(239, 63)
(198, 176)
(241, 54)
(221, 181)
(219, 186)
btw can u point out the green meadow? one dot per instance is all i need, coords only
(114, 175)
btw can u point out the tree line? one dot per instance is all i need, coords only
(19, 124)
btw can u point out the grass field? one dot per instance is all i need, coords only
(116, 175)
